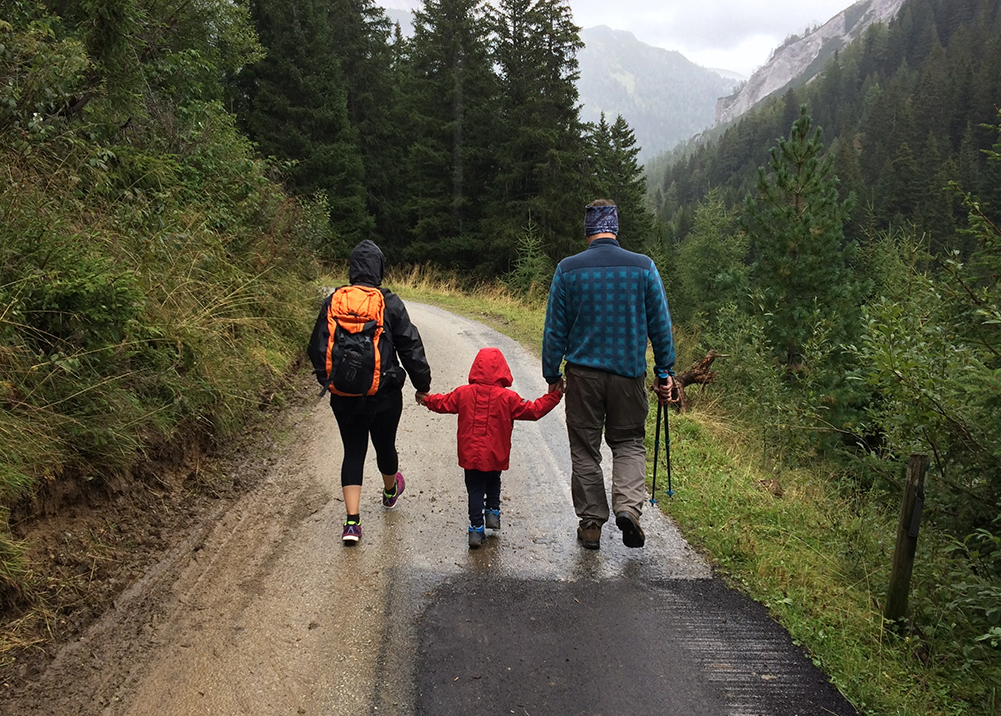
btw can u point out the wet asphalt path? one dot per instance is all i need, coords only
(262, 611)
(532, 624)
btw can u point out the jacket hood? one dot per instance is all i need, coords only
(366, 264)
(490, 368)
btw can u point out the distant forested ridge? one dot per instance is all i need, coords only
(842, 244)
(800, 58)
(903, 110)
(665, 97)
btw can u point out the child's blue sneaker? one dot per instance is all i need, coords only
(476, 536)
(492, 519)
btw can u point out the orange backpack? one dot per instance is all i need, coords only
(355, 322)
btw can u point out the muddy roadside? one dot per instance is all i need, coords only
(89, 543)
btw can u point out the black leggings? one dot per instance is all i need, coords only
(484, 491)
(355, 429)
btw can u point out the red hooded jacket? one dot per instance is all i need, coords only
(487, 411)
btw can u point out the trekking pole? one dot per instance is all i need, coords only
(656, 450)
(667, 453)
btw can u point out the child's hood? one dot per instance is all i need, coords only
(490, 368)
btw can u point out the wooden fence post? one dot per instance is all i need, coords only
(907, 538)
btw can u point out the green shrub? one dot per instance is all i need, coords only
(153, 276)
(533, 269)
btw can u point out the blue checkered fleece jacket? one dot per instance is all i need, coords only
(603, 304)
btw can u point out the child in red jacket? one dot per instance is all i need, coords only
(487, 410)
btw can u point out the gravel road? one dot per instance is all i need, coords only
(261, 610)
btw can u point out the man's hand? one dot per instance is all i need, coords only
(419, 397)
(560, 386)
(664, 388)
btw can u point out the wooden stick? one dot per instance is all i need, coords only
(911, 506)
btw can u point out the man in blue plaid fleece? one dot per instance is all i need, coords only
(603, 304)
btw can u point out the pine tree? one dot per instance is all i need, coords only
(710, 269)
(968, 161)
(934, 96)
(898, 191)
(935, 213)
(790, 111)
(451, 99)
(361, 36)
(795, 225)
(293, 104)
(540, 146)
(849, 173)
(616, 175)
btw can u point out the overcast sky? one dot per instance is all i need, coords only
(735, 35)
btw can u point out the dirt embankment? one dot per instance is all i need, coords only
(87, 542)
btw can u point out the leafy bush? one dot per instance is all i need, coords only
(39, 74)
(709, 270)
(931, 352)
(152, 274)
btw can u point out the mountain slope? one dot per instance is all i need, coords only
(664, 97)
(800, 61)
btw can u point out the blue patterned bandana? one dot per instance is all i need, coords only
(601, 219)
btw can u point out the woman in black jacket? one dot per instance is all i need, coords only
(376, 416)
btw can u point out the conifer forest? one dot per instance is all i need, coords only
(175, 174)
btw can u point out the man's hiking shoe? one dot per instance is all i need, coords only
(351, 534)
(492, 519)
(389, 500)
(589, 536)
(632, 533)
(476, 536)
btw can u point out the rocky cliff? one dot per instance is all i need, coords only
(798, 62)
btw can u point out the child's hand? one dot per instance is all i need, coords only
(420, 398)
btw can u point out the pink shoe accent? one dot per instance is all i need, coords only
(390, 502)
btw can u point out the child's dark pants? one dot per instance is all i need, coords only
(484, 491)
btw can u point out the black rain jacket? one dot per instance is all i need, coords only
(400, 341)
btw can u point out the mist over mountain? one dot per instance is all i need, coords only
(663, 96)
(404, 17)
(800, 59)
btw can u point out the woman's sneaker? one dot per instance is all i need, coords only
(492, 519)
(389, 500)
(476, 536)
(351, 534)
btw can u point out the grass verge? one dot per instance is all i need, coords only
(490, 303)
